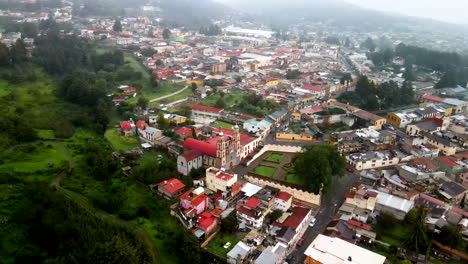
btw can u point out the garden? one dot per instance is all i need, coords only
(216, 245)
(275, 157)
(121, 143)
(265, 171)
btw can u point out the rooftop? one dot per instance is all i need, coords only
(172, 185)
(205, 108)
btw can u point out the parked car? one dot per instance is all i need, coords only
(299, 243)
(312, 222)
(227, 245)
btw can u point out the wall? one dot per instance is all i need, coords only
(294, 137)
(277, 148)
(298, 194)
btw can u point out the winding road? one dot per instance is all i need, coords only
(169, 95)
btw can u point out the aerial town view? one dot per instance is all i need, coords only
(241, 132)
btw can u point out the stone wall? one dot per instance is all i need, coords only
(296, 192)
(275, 148)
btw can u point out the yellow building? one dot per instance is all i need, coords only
(176, 119)
(218, 180)
(296, 116)
(393, 120)
(272, 83)
(295, 137)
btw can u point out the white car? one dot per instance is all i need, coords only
(312, 222)
(227, 245)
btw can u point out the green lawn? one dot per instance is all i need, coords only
(222, 124)
(121, 143)
(216, 245)
(131, 60)
(230, 99)
(45, 134)
(292, 179)
(164, 88)
(275, 157)
(263, 170)
(395, 236)
(33, 160)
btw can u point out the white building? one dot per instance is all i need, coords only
(218, 180)
(371, 160)
(283, 201)
(239, 253)
(189, 160)
(334, 250)
(391, 204)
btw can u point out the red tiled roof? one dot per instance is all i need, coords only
(317, 82)
(141, 124)
(199, 199)
(204, 147)
(187, 131)
(312, 88)
(359, 224)
(284, 196)
(191, 154)
(224, 176)
(186, 195)
(205, 108)
(298, 215)
(449, 161)
(245, 211)
(125, 125)
(206, 222)
(432, 98)
(244, 138)
(252, 202)
(233, 53)
(172, 185)
(430, 165)
(361, 192)
(206, 214)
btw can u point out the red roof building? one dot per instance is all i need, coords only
(171, 188)
(432, 98)
(126, 125)
(298, 218)
(252, 202)
(187, 131)
(359, 225)
(191, 154)
(141, 125)
(207, 222)
(204, 147)
(313, 88)
(284, 196)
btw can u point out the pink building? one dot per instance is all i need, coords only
(193, 203)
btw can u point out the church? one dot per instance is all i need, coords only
(225, 149)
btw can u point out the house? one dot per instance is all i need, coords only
(194, 202)
(430, 125)
(359, 204)
(391, 204)
(148, 134)
(272, 255)
(449, 164)
(444, 145)
(171, 188)
(316, 91)
(207, 222)
(339, 228)
(285, 234)
(176, 119)
(219, 180)
(326, 249)
(298, 220)
(402, 118)
(253, 209)
(372, 160)
(283, 201)
(192, 159)
(185, 132)
(239, 253)
(205, 111)
(254, 126)
(452, 191)
(369, 120)
(127, 128)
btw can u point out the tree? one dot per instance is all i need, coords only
(194, 133)
(229, 224)
(293, 74)
(450, 236)
(316, 166)
(275, 215)
(166, 33)
(117, 27)
(408, 75)
(18, 52)
(142, 102)
(407, 93)
(347, 43)
(220, 103)
(194, 87)
(417, 240)
(346, 79)
(369, 44)
(148, 52)
(162, 122)
(185, 110)
(449, 79)
(5, 57)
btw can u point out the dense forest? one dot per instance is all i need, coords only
(63, 198)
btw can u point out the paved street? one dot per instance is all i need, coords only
(330, 204)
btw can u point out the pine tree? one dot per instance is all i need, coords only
(117, 26)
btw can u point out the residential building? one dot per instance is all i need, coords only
(402, 118)
(444, 145)
(369, 120)
(372, 160)
(326, 249)
(272, 255)
(147, 133)
(176, 119)
(430, 125)
(359, 204)
(127, 128)
(239, 253)
(185, 132)
(391, 204)
(219, 180)
(194, 202)
(283, 201)
(207, 222)
(171, 188)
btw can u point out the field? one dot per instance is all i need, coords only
(121, 143)
(292, 179)
(275, 157)
(136, 65)
(216, 245)
(265, 171)
(230, 99)
(222, 124)
(394, 236)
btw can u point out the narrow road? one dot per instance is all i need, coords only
(331, 202)
(169, 95)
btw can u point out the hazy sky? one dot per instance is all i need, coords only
(454, 11)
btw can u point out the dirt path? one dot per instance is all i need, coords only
(71, 164)
(169, 95)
